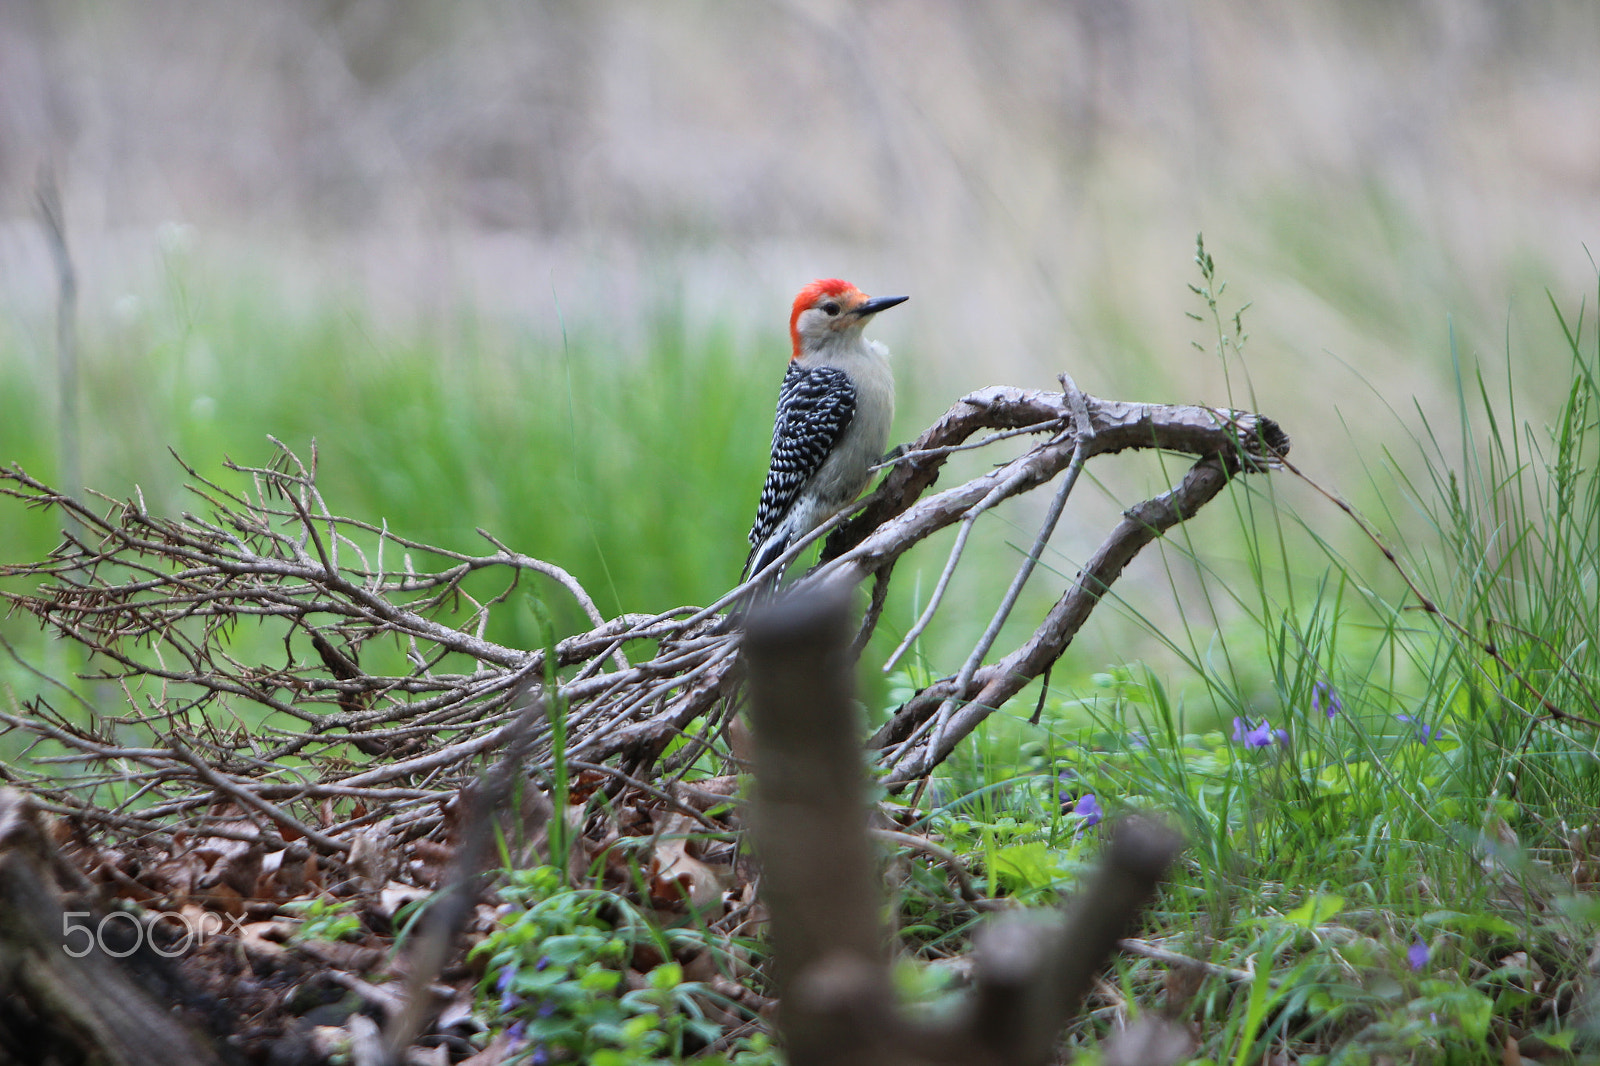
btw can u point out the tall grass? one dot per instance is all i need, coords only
(1389, 806)
(636, 468)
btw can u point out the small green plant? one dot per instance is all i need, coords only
(1376, 760)
(556, 975)
(324, 919)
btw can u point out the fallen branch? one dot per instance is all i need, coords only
(338, 718)
(75, 998)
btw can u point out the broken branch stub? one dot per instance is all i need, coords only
(819, 875)
(820, 880)
(65, 996)
(1033, 969)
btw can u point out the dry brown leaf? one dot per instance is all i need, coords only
(174, 876)
(585, 784)
(700, 966)
(265, 939)
(281, 878)
(396, 895)
(330, 1043)
(458, 1018)
(224, 898)
(372, 857)
(352, 958)
(312, 873)
(1182, 983)
(437, 1055)
(496, 1052)
(676, 876)
(231, 869)
(429, 861)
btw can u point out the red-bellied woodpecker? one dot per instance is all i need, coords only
(834, 411)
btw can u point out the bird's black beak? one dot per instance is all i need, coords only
(879, 303)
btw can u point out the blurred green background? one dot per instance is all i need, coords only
(526, 266)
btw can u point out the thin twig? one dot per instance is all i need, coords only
(948, 858)
(1135, 946)
(1004, 490)
(1003, 612)
(650, 790)
(250, 799)
(1084, 438)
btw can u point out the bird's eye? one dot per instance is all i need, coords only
(831, 308)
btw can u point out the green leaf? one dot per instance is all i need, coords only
(1470, 1008)
(570, 950)
(1460, 922)
(600, 980)
(1580, 907)
(1255, 1006)
(666, 977)
(1032, 865)
(1313, 912)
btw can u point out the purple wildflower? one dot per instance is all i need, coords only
(1089, 807)
(1417, 954)
(1066, 777)
(1420, 731)
(508, 998)
(1325, 699)
(514, 1034)
(1260, 736)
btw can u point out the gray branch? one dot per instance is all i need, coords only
(153, 599)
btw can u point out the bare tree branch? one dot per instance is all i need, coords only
(386, 687)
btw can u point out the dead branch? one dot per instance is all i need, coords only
(818, 871)
(1032, 970)
(64, 1000)
(897, 518)
(387, 693)
(990, 687)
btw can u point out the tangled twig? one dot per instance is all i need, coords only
(387, 689)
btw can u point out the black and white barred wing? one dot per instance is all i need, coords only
(815, 407)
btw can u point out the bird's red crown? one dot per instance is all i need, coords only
(808, 298)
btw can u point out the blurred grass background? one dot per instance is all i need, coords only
(526, 266)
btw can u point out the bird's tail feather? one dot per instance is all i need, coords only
(763, 554)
